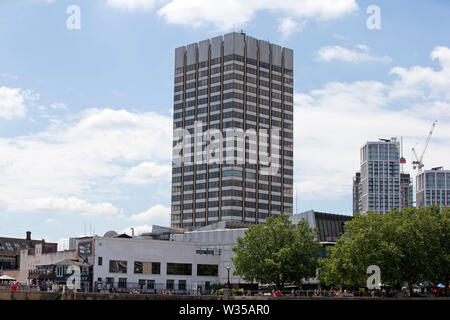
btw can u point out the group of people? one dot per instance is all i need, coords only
(334, 293)
(383, 292)
(164, 292)
(12, 285)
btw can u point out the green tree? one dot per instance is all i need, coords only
(409, 246)
(440, 257)
(277, 252)
(357, 249)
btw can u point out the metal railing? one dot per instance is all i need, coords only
(154, 288)
(164, 289)
(19, 288)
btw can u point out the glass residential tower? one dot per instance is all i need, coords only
(380, 176)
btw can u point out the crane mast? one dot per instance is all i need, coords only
(418, 163)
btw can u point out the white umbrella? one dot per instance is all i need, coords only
(440, 285)
(6, 277)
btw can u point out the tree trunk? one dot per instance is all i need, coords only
(446, 287)
(410, 287)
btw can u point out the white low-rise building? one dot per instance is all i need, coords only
(182, 264)
(184, 260)
(221, 241)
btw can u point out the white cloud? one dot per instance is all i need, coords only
(3, 204)
(76, 163)
(58, 106)
(12, 103)
(230, 14)
(8, 76)
(340, 37)
(412, 81)
(29, 94)
(158, 214)
(332, 123)
(148, 173)
(226, 15)
(288, 26)
(358, 55)
(118, 94)
(138, 230)
(133, 5)
(65, 205)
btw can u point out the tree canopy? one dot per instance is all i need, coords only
(277, 252)
(410, 246)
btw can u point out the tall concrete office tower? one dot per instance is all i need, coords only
(433, 188)
(233, 132)
(380, 176)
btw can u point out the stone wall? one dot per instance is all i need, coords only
(26, 295)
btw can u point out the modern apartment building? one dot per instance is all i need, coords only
(233, 132)
(406, 191)
(433, 188)
(380, 176)
(356, 192)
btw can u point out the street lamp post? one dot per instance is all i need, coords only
(228, 283)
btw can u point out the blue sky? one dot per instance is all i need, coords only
(85, 115)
